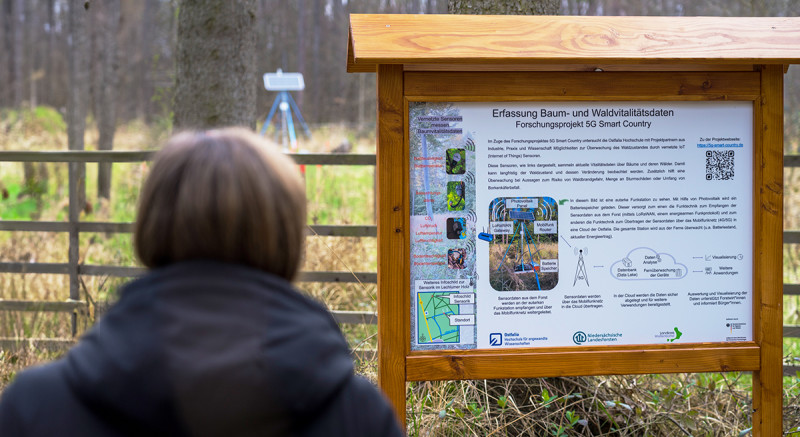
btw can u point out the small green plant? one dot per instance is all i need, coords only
(572, 418)
(475, 410)
(558, 430)
(502, 402)
(546, 398)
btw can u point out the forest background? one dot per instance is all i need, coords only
(306, 36)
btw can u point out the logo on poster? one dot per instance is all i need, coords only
(579, 337)
(496, 339)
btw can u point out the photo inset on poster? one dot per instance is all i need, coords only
(435, 318)
(456, 161)
(456, 228)
(456, 258)
(523, 253)
(456, 196)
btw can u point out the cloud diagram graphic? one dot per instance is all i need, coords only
(646, 264)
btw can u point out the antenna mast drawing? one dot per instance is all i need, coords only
(580, 272)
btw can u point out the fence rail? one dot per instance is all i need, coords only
(79, 156)
(74, 227)
(126, 227)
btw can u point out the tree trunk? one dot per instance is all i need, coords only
(49, 83)
(17, 84)
(216, 78)
(144, 66)
(106, 98)
(31, 50)
(5, 50)
(429, 6)
(78, 90)
(504, 7)
(316, 83)
(301, 46)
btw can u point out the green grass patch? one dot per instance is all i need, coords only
(340, 195)
(17, 206)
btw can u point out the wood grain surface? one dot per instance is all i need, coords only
(472, 39)
(571, 86)
(768, 274)
(619, 361)
(392, 215)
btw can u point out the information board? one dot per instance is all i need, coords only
(580, 223)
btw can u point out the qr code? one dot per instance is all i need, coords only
(719, 165)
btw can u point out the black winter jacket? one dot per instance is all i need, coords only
(202, 349)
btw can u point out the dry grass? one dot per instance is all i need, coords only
(656, 405)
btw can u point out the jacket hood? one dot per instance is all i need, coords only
(228, 349)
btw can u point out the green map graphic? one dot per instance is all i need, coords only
(678, 335)
(433, 322)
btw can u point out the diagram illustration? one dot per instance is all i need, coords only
(442, 227)
(439, 316)
(644, 263)
(523, 243)
(580, 271)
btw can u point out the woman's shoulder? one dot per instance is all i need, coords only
(34, 393)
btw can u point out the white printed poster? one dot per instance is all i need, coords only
(540, 224)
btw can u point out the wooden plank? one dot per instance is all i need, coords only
(344, 277)
(34, 268)
(583, 86)
(791, 237)
(64, 269)
(126, 271)
(124, 227)
(791, 289)
(39, 305)
(76, 155)
(33, 226)
(115, 271)
(622, 361)
(41, 344)
(147, 155)
(50, 226)
(351, 66)
(355, 317)
(76, 182)
(343, 231)
(348, 317)
(577, 67)
(791, 161)
(514, 39)
(392, 253)
(63, 344)
(768, 272)
(792, 331)
(791, 371)
(105, 227)
(332, 159)
(758, 241)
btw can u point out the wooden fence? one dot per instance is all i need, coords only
(74, 227)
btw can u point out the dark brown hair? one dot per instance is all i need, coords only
(224, 195)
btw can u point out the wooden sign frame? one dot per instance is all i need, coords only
(446, 80)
